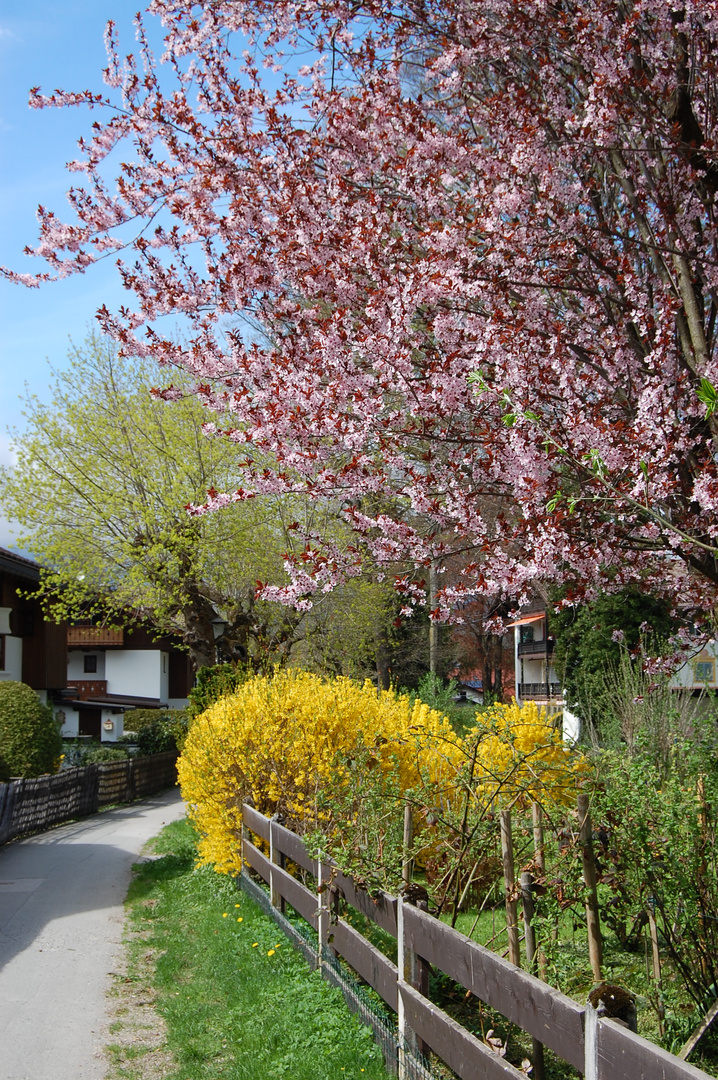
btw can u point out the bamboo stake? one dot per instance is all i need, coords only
(512, 919)
(703, 868)
(407, 866)
(539, 853)
(657, 970)
(531, 958)
(595, 950)
(540, 860)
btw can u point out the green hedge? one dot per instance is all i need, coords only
(30, 742)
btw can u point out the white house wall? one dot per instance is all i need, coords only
(76, 665)
(138, 673)
(112, 726)
(700, 671)
(71, 724)
(13, 659)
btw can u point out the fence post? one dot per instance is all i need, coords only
(400, 1013)
(590, 1038)
(276, 858)
(589, 878)
(530, 942)
(323, 898)
(410, 969)
(512, 917)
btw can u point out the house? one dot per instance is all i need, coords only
(535, 676)
(111, 670)
(32, 650)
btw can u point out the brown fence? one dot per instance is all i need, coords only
(31, 805)
(601, 1049)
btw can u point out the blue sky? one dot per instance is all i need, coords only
(50, 43)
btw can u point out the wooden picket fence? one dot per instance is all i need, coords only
(28, 806)
(598, 1048)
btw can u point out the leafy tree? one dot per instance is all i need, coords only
(104, 475)
(592, 640)
(480, 243)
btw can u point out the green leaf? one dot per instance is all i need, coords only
(707, 394)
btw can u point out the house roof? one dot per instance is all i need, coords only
(117, 701)
(528, 619)
(18, 565)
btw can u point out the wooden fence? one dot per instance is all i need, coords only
(31, 805)
(601, 1049)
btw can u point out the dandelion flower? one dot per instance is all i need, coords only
(239, 919)
(224, 914)
(236, 905)
(256, 943)
(271, 952)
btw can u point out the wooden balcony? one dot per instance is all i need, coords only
(93, 637)
(88, 688)
(539, 649)
(540, 691)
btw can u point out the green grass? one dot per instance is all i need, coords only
(238, 1002)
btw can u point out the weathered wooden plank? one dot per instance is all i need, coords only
(381, 910)
(539, 1009)
(463, 1052)
(293, 847)
(622, 1055)
(301, 899)
(255, 821)
(259, 862)
(371, 964)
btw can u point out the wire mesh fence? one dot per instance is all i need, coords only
(358, 998)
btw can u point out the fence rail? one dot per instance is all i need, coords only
(32, 805)
(601, 1049)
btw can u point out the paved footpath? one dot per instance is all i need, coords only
(61, 897)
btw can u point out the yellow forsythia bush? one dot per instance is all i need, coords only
(280, 739)
(521, 757)
(285, 740)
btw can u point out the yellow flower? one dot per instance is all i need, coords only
(256, 943)
(271, 952)
(239, 919)
(224, 914)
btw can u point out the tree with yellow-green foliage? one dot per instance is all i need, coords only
(104, 473)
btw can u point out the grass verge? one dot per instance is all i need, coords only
(231, 997)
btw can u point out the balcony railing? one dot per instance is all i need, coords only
(93, 636)
(539, 690)
(88, 688)
(536, 648)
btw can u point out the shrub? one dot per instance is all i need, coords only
(104, 754)
(30, 741)
(213, 683)
(155, 731)
(304, 747)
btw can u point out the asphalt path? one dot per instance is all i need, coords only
(61, 897)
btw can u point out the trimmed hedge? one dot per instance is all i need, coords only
(30, 741)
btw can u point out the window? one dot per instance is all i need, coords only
(527, 634)
(705, 671)
(90, 667)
